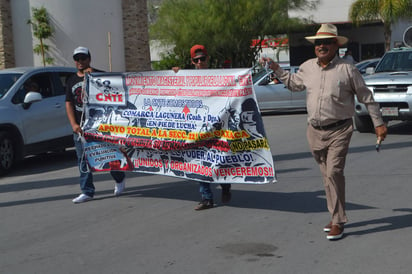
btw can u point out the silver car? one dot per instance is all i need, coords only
(272, 95)
(391, 84)
(32, 113)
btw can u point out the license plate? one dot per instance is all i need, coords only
(390, 111)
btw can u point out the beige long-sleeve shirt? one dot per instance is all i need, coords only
(331, 91)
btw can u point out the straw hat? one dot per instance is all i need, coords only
(327, 31)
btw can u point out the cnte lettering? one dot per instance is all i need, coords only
(109, 97)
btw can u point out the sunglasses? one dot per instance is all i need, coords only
(324, 42)
(80, 57)
(196, 60)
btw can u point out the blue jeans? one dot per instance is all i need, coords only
(86, 177)
(205, 191)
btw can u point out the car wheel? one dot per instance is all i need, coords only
(364, 123)
(7, 153)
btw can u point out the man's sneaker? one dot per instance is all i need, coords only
(226, 195)
(82, 198)
(336, 232)
(204, 204)
(119, 187)
(328, 227)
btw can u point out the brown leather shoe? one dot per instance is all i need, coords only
(335, 233)
(328, 227)
(204, 204)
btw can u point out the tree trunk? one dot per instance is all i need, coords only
(42, 52)
(387, 33)
(136, 35)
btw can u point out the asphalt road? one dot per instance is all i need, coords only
(271, 228)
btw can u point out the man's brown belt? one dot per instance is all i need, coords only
(331, 126)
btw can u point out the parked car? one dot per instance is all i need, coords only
(272, 95)
(391, 84)
(369, 63)
(32, 113)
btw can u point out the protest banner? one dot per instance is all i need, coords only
(203, 125)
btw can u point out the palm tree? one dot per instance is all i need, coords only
(386, 11)
(136, 35)
(42, 30)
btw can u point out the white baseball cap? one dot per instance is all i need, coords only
(81, 50)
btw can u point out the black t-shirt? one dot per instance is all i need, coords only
(74, 87)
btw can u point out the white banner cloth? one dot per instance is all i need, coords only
(203, 125)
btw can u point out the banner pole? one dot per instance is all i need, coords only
(109, 45)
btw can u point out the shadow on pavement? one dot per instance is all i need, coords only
(304, 202)
(382, 224)
(44, 163)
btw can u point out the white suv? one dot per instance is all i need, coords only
(32, 113)
(391, 84)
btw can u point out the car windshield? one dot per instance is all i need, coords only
(6, 81)
(395, 61)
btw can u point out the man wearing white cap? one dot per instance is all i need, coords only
(331, 84)
(74, 110)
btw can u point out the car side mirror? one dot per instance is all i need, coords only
(31, 97)
(369, 70)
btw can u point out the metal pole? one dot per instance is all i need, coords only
(109, 45)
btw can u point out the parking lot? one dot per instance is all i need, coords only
(271, 228)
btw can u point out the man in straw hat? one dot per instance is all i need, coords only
(331, 84)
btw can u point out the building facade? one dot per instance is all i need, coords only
(115, 31)
(366, 41)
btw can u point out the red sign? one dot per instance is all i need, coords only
(271, 42)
